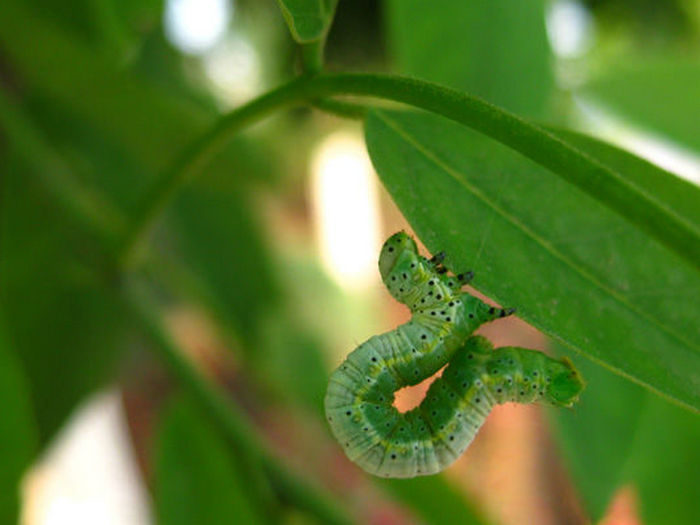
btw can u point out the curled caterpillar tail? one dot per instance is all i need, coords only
(425, 440)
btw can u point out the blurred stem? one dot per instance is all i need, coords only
(603, 184)
(312, 56)
(230, 421)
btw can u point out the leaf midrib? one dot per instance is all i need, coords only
(544, 244)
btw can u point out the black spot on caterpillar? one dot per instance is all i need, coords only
(427, 439)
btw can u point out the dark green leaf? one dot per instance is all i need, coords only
(620, 435)
(658, 94)
(197, 480)
(63, 318)
(308, 20)
(18, 435)
(218, 238)
(573, 268)
(497, 50)
(121, 129)
(433, 499)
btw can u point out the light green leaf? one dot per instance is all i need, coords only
(308, 20)
(620, 435)
(197, 480)
(658, 94)
(18, 435)
(497, 50)
(598, 434)
(572, 267)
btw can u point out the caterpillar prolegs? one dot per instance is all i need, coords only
(427, 439)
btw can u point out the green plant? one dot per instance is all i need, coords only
(597, 248)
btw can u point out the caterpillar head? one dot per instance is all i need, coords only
(566, 383)
(393, 249)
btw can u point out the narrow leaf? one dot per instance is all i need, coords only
(18, 434)
(218, 238)
(108, 117)
(308, 20)
(572, 267)
(497, 50)
(659, 95)
(196, 478)
(65, 322)
(679, 194)
(622, 436)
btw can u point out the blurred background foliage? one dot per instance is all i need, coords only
(98, 98)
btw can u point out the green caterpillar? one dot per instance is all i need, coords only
(427, 439)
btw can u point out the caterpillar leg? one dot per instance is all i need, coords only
(461, 279)
(437, 259)
(466, 277)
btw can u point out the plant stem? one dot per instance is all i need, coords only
(193, 159)
(341, 108)
(312, 56)
(231, 422)
(577, 168)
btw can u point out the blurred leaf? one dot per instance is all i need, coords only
(18, 436)
(218, 238)
(598, 434)
(665, 463)
(308, 20)
(497, 50)
(434, 499)
(196, 479)
(659, 94)
(291, 361)
(102, 112)
(574, 268)
(618, 435)
(65, 322)
(229, 269)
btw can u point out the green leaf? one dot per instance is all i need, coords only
(64, 320)
(18, 435)
(433, 499)
(658, 94)
(197, 481)
(572, 267)
(620, 435)
(290, 361)
(308, 20)
(122, 129)
(598, 434)
(217, 237)
(497, 50)
(681, 195)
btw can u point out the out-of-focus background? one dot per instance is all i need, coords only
(265, 266)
